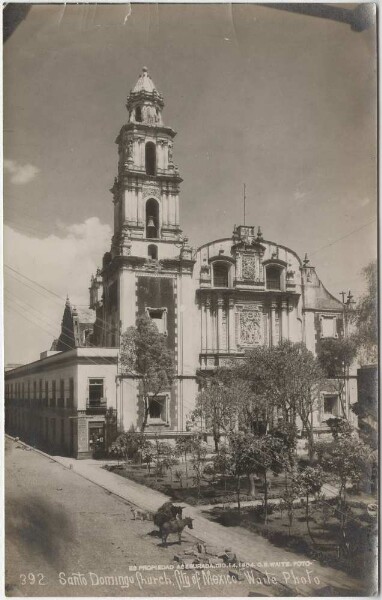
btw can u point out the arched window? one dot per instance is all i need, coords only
(150, 158)
(273, 278)
(152, 219)
(138, 114)
(153, 251)
(220, 271)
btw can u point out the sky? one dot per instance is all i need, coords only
(282, 102)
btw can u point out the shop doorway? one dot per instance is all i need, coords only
(97, 439)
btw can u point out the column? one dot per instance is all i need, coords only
(126, 206)
(164, 208)
(141, 151)
(284, 320)
(208, 324)
(231, 325)
(273, 324)
(171, 202)
(204, 324)
(141, 218)
(165, 155)
(160, 157)
(177, 210)
(220, 341)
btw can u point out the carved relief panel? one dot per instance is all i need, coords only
(250, 325)
(250, 267)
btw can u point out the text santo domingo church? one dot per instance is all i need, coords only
(213, 304)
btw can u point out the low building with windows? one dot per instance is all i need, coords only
(65, 402)
(213, 304)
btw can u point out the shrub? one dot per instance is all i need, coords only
(230, 518)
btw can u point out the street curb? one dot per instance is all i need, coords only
(128, 502)
(68, 469)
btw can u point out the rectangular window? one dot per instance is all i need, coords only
(54, 393)
(53, 424)
(34, 390)
(158, 409)
(29, 389)
(40, 389)
(328, 327)
(220, 272)
(71, 392)
(96, 391)
(46, 390)
(62, 388)
(159, 317)
(331, 405)
(62, 432)
(273, 278)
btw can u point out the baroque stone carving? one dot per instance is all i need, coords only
(150, 191)
(170, 152)
(251, 326)
(249, 267)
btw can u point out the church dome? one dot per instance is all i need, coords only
(144, 83)
(144, 102)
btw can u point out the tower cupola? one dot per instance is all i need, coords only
(144, 102)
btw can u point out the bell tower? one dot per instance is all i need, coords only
(149, 260)
(146, 191)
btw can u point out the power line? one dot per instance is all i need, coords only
(50, 323)
(343, 237)
(108, 328)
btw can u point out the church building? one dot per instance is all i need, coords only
(213, 303)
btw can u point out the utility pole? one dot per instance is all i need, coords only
(244, 199)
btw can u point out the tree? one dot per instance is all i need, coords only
(365, 317)
(184, 445)
(198, 454)
(219, 403)
(335, 356)
(268, 455)
(129, 444)
(285, 381)
(148, 453)
(145, 354)
(292, 491)
(346, 459)
(222, 463)
(311, 480)
(240, 459)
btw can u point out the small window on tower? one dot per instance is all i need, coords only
(138, 114)
(159, 317)
(152, 219)
(153, 252)
(150, 158)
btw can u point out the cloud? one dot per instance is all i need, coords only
(20, 174)
(61, 263)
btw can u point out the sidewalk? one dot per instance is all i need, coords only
(248, 546)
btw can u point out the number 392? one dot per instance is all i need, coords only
(32, 579)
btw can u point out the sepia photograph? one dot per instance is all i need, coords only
(190, 284)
